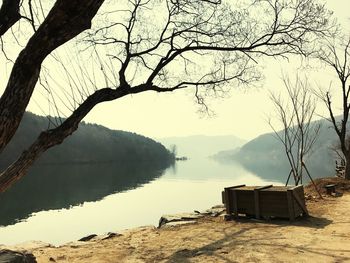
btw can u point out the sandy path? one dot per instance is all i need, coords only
(324, 237)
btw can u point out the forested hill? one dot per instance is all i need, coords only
(265, 155)
(90, 143)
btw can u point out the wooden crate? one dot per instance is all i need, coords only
(265, 201)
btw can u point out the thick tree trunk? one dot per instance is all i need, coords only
(52, 137)
(66, 20)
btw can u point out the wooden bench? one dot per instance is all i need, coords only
(265, 201)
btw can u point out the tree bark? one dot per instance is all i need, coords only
(66, 20)
(9, 15)
(50, 138)
(347, 166)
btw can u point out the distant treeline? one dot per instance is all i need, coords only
(91, 143)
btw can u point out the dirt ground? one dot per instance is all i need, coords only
(322, 237)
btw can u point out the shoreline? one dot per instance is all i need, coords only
(322, 237)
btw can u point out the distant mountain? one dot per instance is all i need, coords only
(91, 143)
(201, 145)
(265, 155)
(227, 155)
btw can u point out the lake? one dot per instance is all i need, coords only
(62, 203)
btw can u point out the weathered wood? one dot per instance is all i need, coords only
(256, 203)
(235, 203)
(300, 203)
(235, 186)
(227, 201)
(263, 187)
(266, 201)
(226, 197)
(290, 204)
(256, 199)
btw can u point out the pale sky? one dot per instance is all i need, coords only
(175, 114)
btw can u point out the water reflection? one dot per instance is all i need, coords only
(62, 186)
(97, 199)
(279, 172)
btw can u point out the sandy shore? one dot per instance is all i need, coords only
(323, 237)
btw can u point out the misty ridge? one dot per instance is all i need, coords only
(201, 146)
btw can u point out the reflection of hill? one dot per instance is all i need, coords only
(55, 187)
(265, 156)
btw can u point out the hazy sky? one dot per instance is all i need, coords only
(175, 114)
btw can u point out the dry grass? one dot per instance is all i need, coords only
(341, 185)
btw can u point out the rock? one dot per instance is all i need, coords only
(214, 211)
(27, 246)
(165, 219)
(218, 207)
(184, 217)
(176, 223)
(110, 235)
(88, 238)
(10, 256)
(336, 194)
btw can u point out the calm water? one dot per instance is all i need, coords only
(57, 204)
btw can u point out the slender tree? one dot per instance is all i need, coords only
(298, 133)
(149, 45)
(335, 53)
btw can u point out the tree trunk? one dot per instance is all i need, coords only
(9, 15)
(67, 19)
(347, 166)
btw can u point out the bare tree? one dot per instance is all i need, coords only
(299, 133)
(152, 45)
(337, 55)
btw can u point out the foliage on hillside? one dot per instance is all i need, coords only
(90, 144)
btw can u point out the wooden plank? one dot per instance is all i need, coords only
(290, 204)
(272, 195)
(227, 200)
(265, 206)
(277, 198)
(263, 187)
(277, 189)
(300, 203)
(235, 204)
(236, 186)
(256, 203)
